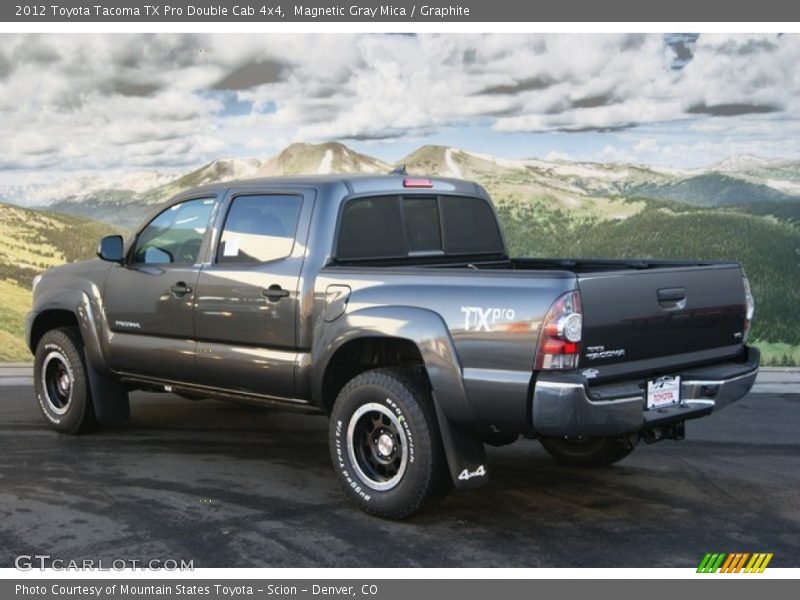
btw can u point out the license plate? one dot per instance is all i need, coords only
(663, 391)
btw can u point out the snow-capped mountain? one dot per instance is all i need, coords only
(599, 188)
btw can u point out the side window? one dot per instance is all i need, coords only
(176, 235)
(259, 228)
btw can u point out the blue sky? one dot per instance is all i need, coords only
(100, 103)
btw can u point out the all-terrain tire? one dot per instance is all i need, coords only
(61, 382)
(385, 443)
(586, 452)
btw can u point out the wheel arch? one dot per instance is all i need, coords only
(420, 337)
(361, 354)
(64, 308)
(49, 319)
(418, 334)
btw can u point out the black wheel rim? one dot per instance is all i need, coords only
(58, 382)
(377, 446)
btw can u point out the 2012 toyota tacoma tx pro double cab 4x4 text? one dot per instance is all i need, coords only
(390, 304)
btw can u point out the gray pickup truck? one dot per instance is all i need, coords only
(390, 303)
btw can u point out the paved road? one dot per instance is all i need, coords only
(229, 485)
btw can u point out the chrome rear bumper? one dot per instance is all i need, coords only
(565, 405)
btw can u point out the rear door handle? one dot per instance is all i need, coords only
(180, 289)
(275, 293)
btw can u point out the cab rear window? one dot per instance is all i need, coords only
(401, 226)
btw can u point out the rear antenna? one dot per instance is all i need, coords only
(401, 170)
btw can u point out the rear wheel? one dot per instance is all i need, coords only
(587, 451)
(385, 444)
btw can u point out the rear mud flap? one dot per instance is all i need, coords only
(466, 454)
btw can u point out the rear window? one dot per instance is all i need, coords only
(400, 226)
(423, 229)
(470, 226)
(371, 227)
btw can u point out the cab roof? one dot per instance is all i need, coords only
(355, 184)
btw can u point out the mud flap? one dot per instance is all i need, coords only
(109, 398)
(466, 454)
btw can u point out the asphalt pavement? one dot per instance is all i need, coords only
(227, 485)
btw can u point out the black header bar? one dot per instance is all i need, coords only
(409, 11)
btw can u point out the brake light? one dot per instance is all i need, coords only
(750, 307)
(417, 182)
(560, 337)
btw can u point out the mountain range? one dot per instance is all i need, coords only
(744, 208)
(591, 188)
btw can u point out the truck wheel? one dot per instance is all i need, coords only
(586, 451)
(61, 382)
(385, 444)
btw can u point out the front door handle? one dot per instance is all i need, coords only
(274, 293)
(180, 289)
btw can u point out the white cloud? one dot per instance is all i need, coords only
(646, 144)
(107, 101)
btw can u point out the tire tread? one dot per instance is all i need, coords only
(408, 385)
(70, 342)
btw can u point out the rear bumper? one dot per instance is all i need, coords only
(565, 405)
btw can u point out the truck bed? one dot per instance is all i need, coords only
(640, 317)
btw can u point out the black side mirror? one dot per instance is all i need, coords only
(111, 248)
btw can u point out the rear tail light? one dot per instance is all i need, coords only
(560, 338)
(750, 306)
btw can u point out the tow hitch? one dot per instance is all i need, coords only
(669, 431)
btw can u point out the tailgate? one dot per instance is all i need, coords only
(640, 321)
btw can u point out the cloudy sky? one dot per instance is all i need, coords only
(76, 103)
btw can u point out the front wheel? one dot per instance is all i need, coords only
(62, 383)
(385, 444)
(587, 451)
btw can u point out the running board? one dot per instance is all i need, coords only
(254, 399)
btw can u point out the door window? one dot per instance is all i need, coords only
(259, 228)
(175, 235)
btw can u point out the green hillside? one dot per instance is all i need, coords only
(116, 207)
(32, 241)
(784, 211)
(711, 189)
(767, 247)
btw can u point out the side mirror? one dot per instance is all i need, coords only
(111, 248)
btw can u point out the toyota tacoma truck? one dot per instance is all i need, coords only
(390, 303)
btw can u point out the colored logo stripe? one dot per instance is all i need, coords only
(758, 563)
(734, 562)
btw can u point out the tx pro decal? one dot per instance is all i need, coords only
(477, 318)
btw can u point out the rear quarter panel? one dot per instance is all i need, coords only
(493, 318)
